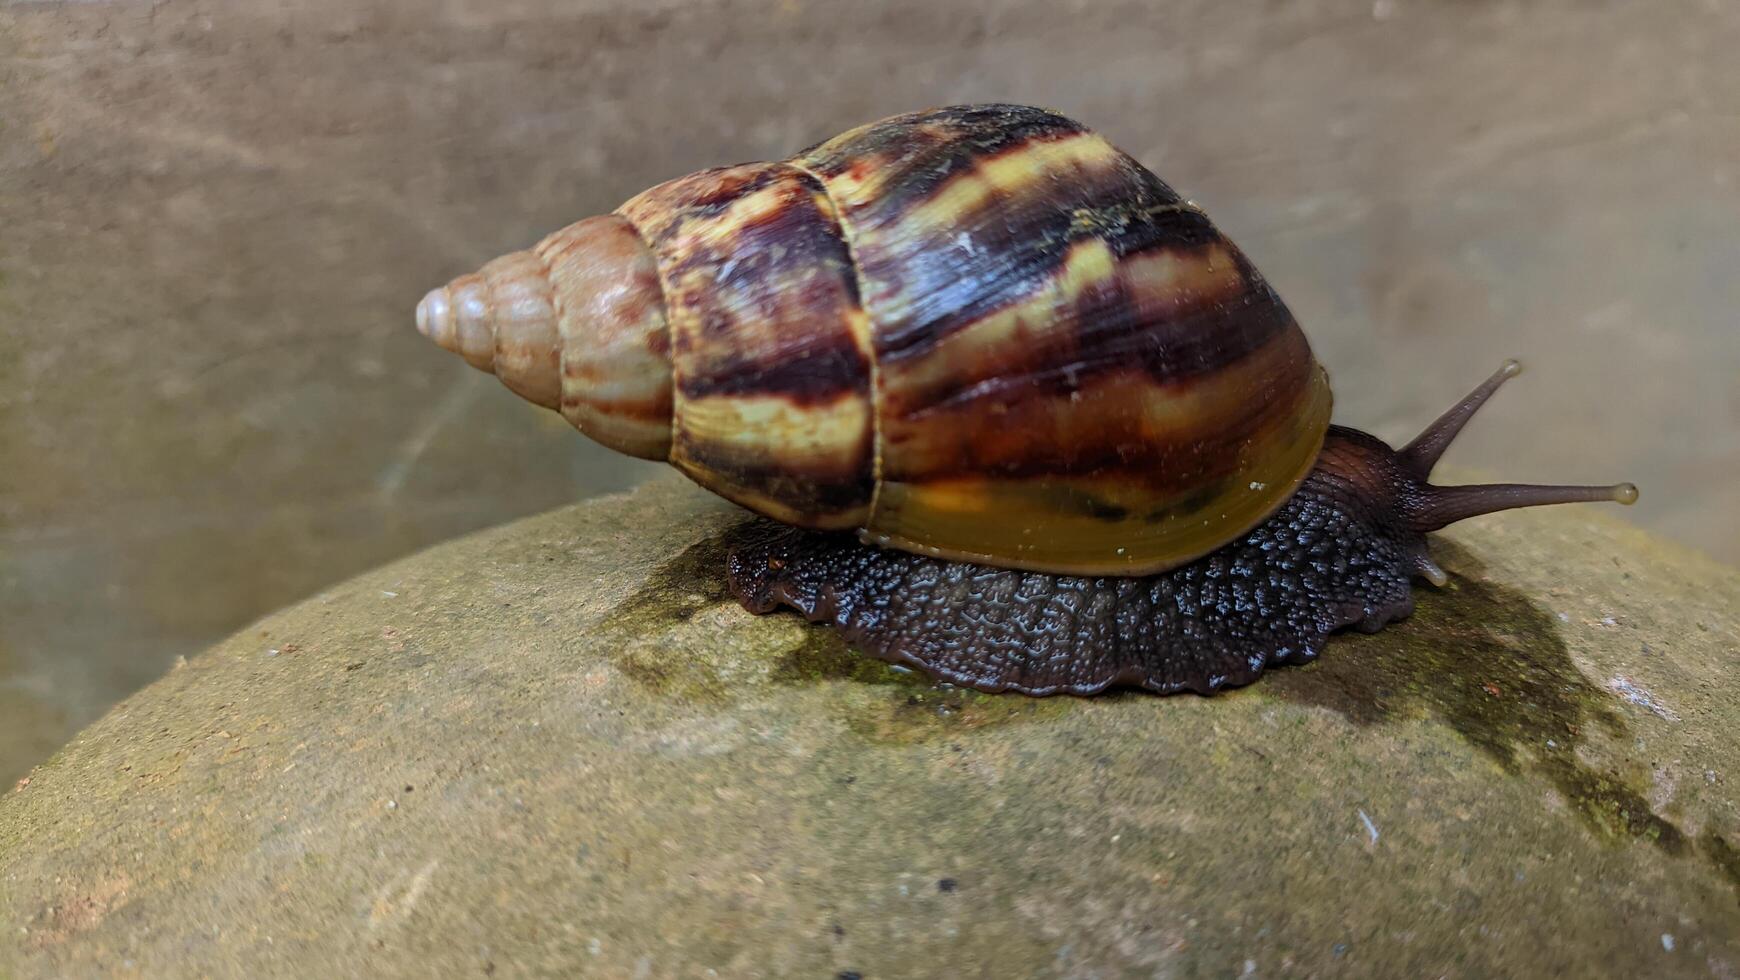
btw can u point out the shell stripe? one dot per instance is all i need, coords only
(1119, 426)
(1095, 522)
(864, 337)
(769, 343)
(1177, 316)
(989, 237)
(728, 438)
(1075, 369)
(903, 160)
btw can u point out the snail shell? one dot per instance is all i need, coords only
(977, 332)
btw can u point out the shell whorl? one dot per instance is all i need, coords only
(976, 332)
(577, 324)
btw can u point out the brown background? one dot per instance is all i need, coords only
(215, 219)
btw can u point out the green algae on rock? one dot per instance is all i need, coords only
(558, 747)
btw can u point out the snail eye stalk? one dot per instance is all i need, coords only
(1424, 452)
(1431, 507)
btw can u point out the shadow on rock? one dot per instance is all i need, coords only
(1489, 663)
(881, 702)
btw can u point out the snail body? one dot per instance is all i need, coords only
(1081, 442)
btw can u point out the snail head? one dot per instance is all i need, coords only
(1397, 480)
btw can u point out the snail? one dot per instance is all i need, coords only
(1021, 417)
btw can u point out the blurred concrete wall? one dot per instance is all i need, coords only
(215, 218)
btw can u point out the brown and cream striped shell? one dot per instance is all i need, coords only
(979, 332)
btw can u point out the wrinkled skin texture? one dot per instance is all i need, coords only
(1338, 553)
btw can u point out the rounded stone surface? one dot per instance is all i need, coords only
(557, 747)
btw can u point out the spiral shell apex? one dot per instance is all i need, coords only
(977, 332)
(576, 324)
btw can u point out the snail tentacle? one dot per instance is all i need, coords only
(1436, 507)
(1428, 507)
(1428, 447)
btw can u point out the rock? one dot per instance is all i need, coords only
(557, 747)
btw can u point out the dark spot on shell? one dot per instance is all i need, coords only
(658, 343)
(1102, 510)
